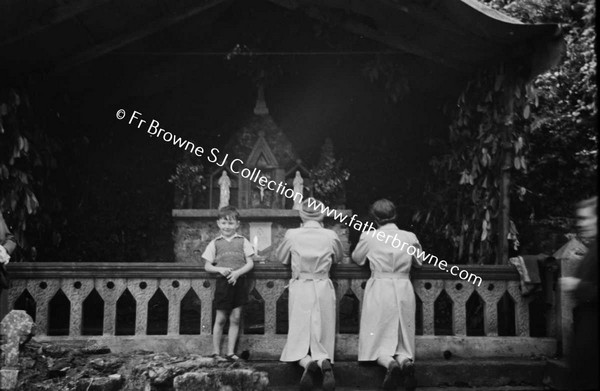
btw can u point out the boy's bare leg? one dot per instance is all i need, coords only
(234, 329)
(220, 319)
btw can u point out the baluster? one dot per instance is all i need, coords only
(16, 289)
(521, 309)
(341, 287)
(42, 291)
(491, 292)
(428, 291)
(174, 290)
(357, 287)
(76, 290)
(142, 290)
(110, 289)
(205, 291)
(459, 292)
(270, 290)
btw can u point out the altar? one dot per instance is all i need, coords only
(265, 214)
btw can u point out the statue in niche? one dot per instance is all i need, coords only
(298, 188)
(224, 193)
(262, 198)
(262, 193)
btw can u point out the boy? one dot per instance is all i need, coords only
(230, 255)
(311, 250)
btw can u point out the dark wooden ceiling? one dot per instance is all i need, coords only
(57, 35)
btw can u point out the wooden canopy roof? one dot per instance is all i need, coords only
(57, 35)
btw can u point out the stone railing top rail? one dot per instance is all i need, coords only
(246, 213)
(37, 270)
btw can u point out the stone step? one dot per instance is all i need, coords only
(557, 375)
(429, 373)
(505, 388)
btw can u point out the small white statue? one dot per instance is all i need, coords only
(298, 188)
(224, 185)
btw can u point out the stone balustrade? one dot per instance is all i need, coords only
(167, 306)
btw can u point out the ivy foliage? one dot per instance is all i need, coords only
(551, 148)
(27, 158)
(190, 182)
(329, 177)
(487, 135)
(563, 140)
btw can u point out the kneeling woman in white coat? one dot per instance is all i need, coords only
(387, 323)
(311, 250)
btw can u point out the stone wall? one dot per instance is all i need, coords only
(195, 228)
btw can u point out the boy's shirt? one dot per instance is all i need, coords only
(228, 253)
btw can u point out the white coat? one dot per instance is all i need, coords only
(387, 322)
(310, 250)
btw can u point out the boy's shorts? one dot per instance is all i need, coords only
(227, 296)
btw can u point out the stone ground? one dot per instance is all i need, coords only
(507, 388)
(46, 367)
(52, 367)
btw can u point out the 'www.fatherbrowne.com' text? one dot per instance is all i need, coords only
(236, 166)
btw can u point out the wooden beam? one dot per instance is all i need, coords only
(505, 177)
(127, 39)
(58, 15)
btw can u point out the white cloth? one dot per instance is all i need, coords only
(387, 323)
(4, 257)
(311, 307)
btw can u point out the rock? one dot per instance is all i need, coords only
(95, 349)
(16, 328)
(130, 372)
(54, 351)
(8, 379)
(230, 380)
(193, 381)
(164, 377)
(27, 362)
(99, 384)
(59, 369)
(106, 364)
(197, 362)
(44, 387)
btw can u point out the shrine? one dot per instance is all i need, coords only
(266, 214)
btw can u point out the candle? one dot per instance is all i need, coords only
(255, 242)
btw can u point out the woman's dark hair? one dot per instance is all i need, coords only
(383, 212)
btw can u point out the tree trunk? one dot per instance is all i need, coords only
(504, 205)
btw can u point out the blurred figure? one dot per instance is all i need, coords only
(583, 358)
(8, 244)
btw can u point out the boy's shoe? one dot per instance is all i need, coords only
(391, 376)
(328, 379)
(307, 380)
(408, 373)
